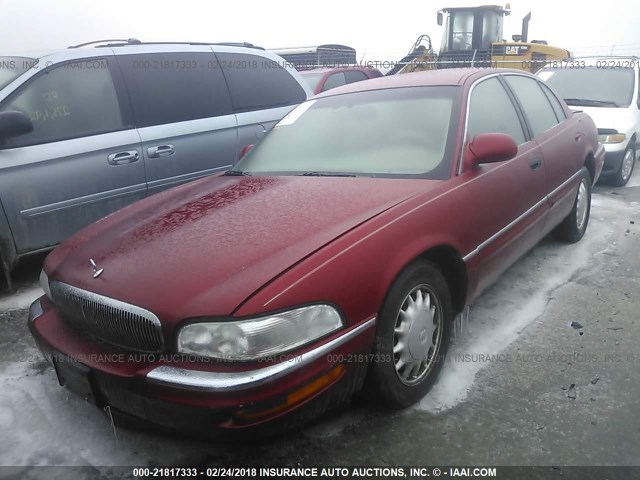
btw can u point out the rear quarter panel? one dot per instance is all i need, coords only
(567, 148)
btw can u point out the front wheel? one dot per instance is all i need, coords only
(622, 176)
(412, 336)
(573, 227)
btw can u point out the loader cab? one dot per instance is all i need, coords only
(471, 29)
(469, 34)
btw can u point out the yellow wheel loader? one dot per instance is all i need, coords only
(473, 38)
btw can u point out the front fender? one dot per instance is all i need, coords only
(356, 270)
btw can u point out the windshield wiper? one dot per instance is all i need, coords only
(586, 102)
(327, 174)
(236, 173)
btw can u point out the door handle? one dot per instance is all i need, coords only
(536, 163)
(122, 158)
(160, 151)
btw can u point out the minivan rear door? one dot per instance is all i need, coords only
(182, 110)
(263, 90)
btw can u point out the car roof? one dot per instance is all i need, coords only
(315, 70)
(334, 69)
(98, 45)
(443, 77)
(30, 54)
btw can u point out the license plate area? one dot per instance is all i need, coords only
(74, 376)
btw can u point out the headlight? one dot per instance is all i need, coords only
(259, 337)
(614, 138)
(44, 284)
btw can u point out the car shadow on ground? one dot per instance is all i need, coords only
(25, 274)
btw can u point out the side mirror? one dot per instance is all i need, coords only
(439, 18)
(13, 124)
(246, 149)
(489, 148)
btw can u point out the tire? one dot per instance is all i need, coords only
(622, 176)
(422, 282)
(573, 227)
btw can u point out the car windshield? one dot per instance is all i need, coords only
(392, 132)
(12, 67)
(592, 86)
(312, 79)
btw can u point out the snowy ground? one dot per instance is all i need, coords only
(503, 397)
(21, 299)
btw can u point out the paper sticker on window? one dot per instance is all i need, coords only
(295, 114)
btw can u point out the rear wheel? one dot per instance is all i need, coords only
(622, 176)
(412, 336)
(574, 226)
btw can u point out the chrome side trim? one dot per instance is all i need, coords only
(186, 177)
(565, 183)
(86, 200)
(471, 254)
(504, 230)
(35, 311)
(230, 381)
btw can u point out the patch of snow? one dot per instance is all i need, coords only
(49, 425)
(21, 299)
(634, 181)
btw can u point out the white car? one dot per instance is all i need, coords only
(607, 89)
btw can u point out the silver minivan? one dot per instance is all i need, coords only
(85, 131)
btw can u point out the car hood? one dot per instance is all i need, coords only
(201, 249)
(619, 118)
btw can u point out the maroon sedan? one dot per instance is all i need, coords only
(334, 256)
(323, 79)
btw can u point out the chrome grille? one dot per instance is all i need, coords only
(110, 320)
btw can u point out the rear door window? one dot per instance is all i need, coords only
(535, 103)
(72, 100)
(355, 76)
(555, 103)
(335, 80)
(175, 87)
(492, 111)
(258, 83)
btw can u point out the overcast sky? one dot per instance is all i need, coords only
(378, 31)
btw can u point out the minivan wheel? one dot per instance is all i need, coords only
(622, 176)
(574, 226)
(412, 336)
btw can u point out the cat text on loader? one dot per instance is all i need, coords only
(473, 38)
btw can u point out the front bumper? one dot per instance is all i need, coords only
(208, 399)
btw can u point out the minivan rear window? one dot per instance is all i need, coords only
(175, 87)
(258, 83)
